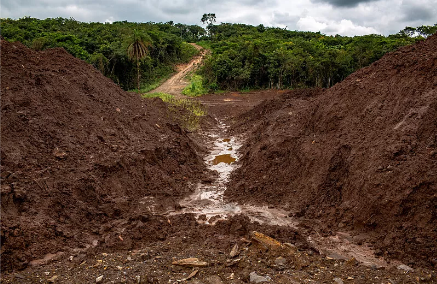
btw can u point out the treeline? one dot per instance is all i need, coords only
(249, 57)
(105, 45)
(242, 56)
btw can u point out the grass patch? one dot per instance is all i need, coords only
(195, 88)
(204, 43)
(163, 96)
(186, 112)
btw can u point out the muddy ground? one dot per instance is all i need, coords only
(99, 186)
(360, 156)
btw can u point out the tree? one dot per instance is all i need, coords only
(208, 19)
(137, 50)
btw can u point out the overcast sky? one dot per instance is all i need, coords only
(344, 17)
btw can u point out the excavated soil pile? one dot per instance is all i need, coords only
(82, 159)
(361, 155)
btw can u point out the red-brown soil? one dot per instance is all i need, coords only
(359, 156)
(79, 156)
(89, 174)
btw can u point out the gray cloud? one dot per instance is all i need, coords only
(343, 3)
(286, 19)
(343, 17)
(418, 13)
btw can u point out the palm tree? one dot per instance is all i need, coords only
(138, 50)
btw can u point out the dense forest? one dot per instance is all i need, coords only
(242, 56)
(106, 45)
(248, 57)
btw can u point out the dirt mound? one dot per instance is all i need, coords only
(361, 155)
(80, 157)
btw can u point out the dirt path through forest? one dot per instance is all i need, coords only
(178, 82)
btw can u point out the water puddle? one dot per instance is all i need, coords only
(226, 158)
(207, 201)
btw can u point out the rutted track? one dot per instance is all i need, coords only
(178, 82)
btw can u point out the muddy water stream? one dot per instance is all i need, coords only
(207, 201)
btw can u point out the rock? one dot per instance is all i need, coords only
(52, 280)
(338, 280)
(265, 240)
(292, 248)
(405, 268)
(255, 278)
(99, 279)
(235, 251)
(190, 262)
(59, 154)
(215, 279)
(280, 261)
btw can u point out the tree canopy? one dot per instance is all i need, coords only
(249, 57)
(242, 56)
(105, 45)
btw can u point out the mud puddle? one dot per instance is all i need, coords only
(207, 201)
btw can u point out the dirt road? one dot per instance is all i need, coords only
(178, 82)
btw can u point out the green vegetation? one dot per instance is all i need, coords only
(249, 57)
(138, 49)
(195, 88)
(187, 112)
(163, 96)
(243, 57)
(106, 45)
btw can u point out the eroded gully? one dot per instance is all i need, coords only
(207, 201)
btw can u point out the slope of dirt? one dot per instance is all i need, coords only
(361, 155)
(80, 157)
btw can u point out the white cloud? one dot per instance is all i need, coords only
(310, 24)
(327, 16)
(343, 27)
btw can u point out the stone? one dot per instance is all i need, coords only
(59, 154)
(290, 247)
(338, 280)
(265, 240)
(255, 278)
(280, 261)
(190, 262)
(52, 279)
(405, 268)
(99, 279)
(235, 251)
